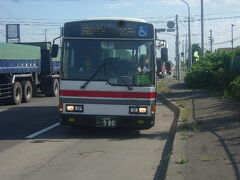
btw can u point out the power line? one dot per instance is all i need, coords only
(225, 42)
(217, 18)
(157, 20)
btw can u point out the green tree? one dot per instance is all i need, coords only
(196, 49)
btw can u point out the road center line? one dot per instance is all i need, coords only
(42, 131)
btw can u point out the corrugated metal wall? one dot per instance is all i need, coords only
(236, 64)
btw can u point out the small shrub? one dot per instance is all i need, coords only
(227, 93)
(181, 103)
(162, 87)
(200, 75)
(181, 161)
(186, 126)
(204, 159)
(185, 114)
(235, 87)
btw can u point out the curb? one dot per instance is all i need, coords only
(161, 172)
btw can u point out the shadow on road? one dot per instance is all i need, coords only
(65, 132)
(18, 122)
(221, 117)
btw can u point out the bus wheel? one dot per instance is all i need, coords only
(17, 93)
(27, 91)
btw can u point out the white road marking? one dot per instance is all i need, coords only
(43, 131)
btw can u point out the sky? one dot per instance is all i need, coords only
(37, 16)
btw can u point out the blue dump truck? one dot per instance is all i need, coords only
(25, 69)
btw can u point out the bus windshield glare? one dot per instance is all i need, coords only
(119, 62)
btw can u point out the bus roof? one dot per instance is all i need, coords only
(118, 19)
(109, 28)
(112, 18)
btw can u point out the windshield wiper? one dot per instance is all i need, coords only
(124, 81)
(97, 71)
(93, 75)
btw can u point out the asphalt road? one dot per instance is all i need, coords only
(65, 153)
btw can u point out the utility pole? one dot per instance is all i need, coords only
(186, 50)
(232, 36)
(183, 54)
(211, 41)
(45, 35)
(189, 36)
(61, 33)
(202, 29)
(177, 51)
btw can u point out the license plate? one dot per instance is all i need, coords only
(105, 121)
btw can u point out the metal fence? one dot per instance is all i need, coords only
(233, 65)
(236, 64)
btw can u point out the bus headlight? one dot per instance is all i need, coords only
(79, 108)
(142, 110)
(70, 108)
(137, 110)
(74, 108)
(133, 110)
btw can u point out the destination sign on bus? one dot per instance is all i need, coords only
(108, 29)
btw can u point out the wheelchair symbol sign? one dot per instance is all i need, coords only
(143, 31)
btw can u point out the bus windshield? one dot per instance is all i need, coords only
(119, 62)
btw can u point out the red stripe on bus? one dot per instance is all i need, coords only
(107, 94)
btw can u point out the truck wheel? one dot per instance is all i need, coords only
(17, 93)
(27, 91)
(55, 88)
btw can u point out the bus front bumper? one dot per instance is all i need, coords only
(136, 122)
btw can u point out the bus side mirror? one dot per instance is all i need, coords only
(164, 54)
(54, 52)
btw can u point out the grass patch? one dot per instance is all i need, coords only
(181, 161)
(169, 156)
(187, 126)
(204, 159)
(183, 138)
(185, 109)
(227, 94)
(183, 133)
(185, 114)
(181, 103)
(168, 94)
(162, 87)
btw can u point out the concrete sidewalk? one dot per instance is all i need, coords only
(207, 144)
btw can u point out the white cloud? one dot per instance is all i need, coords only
(190, 2)
(230, 1)
(144, 12)
(119, 5)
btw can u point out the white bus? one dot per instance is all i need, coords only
(108, 73)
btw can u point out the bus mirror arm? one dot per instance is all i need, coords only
(55, 47)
